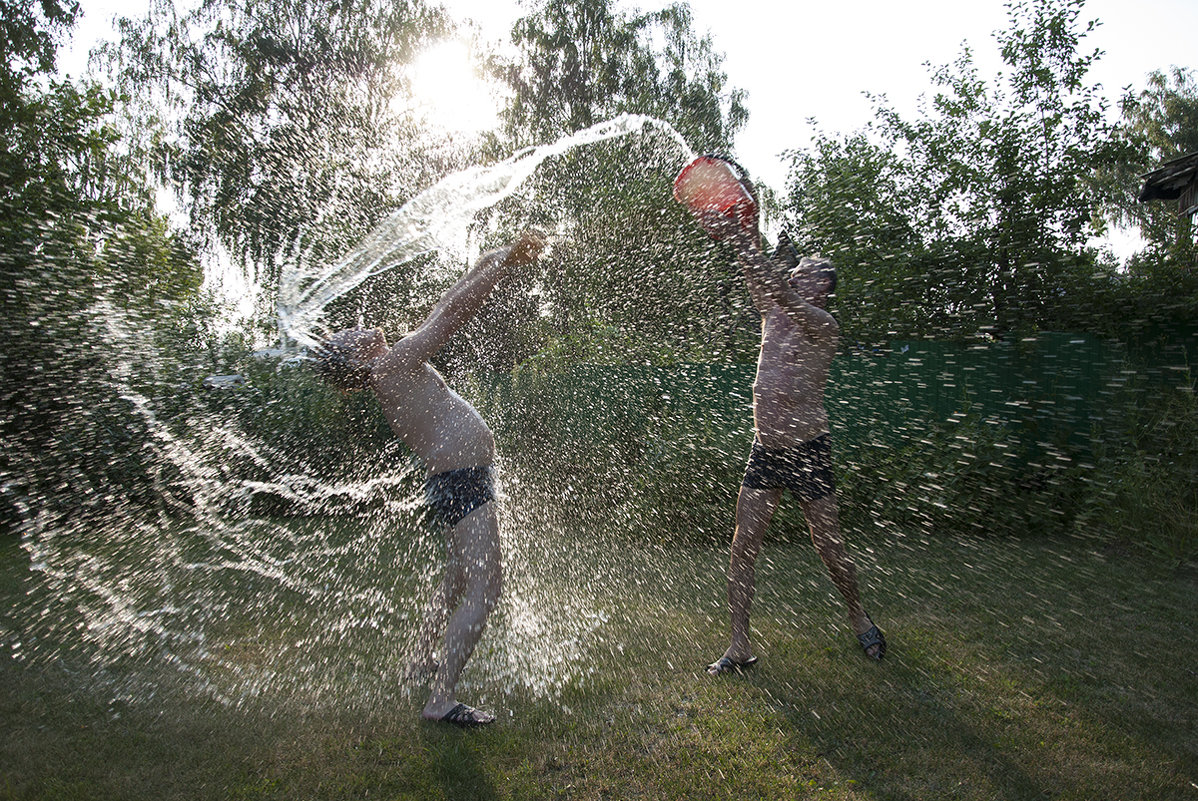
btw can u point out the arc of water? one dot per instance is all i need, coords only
(434, 219)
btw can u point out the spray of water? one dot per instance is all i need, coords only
(437, 219)
(320, 606)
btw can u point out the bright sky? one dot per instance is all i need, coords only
(799, 60)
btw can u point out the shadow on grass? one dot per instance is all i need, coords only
(453, 759)
(1016, 670)
(891, 734)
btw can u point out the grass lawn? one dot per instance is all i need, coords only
(1016, 670)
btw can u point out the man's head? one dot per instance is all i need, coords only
(343, 359)
(815, 279)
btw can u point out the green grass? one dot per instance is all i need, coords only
(1017, 669)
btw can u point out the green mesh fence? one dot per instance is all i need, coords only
(1056, 388)
(666, 446)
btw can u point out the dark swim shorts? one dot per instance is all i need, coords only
(456, 493)
(805, 470)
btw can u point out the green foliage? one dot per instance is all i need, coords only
(29, 34)
(654, 452)
(636, 263)
(276, 119)
(974, 217)
(968, 476)
(80, 243)
(1160, 123)
(282, 121)
(847, 201)
(582, 62)
(1159, 297)
(1145, 488)
(630, 277)
(631, 267)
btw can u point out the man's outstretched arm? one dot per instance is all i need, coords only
(463, 300)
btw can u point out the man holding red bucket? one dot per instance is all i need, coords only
(791, 447)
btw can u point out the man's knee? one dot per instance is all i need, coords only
(455, 579)
(747, 540)
(484, 589)
(483, 575)
(490, 576)
(750, 522)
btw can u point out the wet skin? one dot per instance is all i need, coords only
(798, 342)
(447, 433)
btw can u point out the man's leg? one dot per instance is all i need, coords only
(754, 510)
(443, 601)
(824, 521)
(475, 545)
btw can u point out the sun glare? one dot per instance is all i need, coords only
(449, 91)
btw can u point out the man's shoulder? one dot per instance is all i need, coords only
(399, 371)
(404, 355)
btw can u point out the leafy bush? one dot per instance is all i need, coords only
(1144, 489)
(655, 452)
(969, 475)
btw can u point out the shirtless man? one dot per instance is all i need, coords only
(458, 449)
(791, 448)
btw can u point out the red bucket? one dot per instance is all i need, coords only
(712, 184)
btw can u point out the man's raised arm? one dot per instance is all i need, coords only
(767, 280)
(463, 300)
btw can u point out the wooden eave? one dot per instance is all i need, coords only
(1174, 180)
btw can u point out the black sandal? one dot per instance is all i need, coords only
(466, 717)
(725, 665)
(871, 638)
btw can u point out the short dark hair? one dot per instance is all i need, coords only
(338, 365)
(822, 267)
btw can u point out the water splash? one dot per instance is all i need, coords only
(439, 218)
(319, 606)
